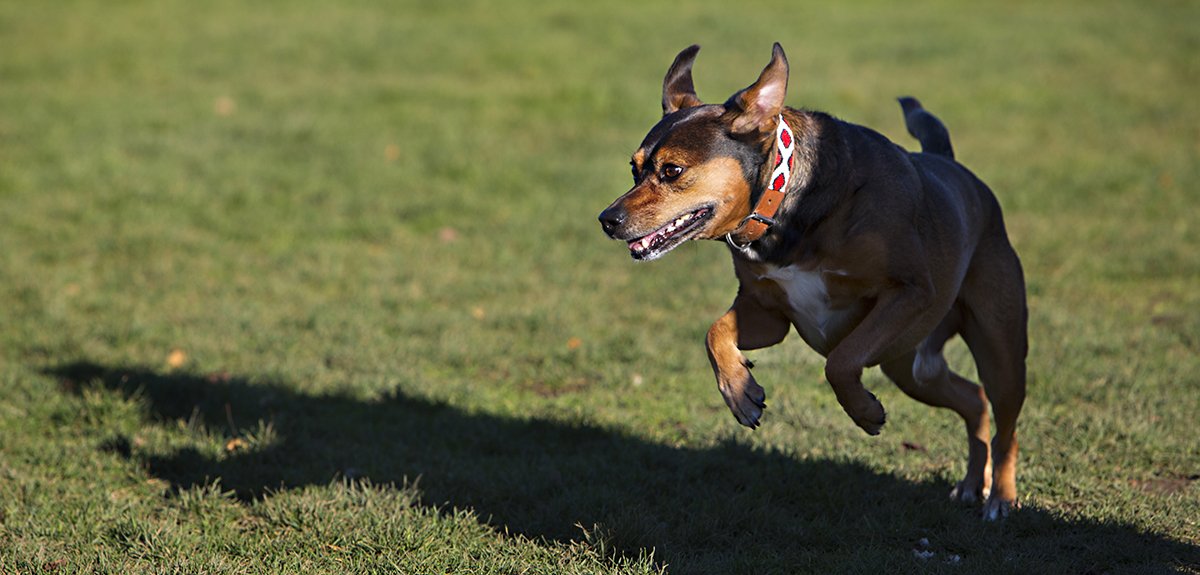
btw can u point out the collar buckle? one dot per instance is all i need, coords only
(764, 220)
(757, 217)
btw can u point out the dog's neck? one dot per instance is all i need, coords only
(812, 156)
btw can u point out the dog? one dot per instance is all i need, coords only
(876, 255)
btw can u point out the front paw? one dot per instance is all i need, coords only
(744, 396)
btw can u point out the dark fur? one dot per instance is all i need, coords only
(878, 257)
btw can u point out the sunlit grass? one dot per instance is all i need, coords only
(360, 240)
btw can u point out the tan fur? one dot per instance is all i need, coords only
(651, 204)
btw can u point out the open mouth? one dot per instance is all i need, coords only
(668, 237)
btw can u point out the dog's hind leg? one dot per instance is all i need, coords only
(924, 376)
(994, 328)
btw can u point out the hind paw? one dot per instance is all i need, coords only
(869, 414)
(967, 491)
(997, 509)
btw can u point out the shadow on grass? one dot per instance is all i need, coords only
(725, 509)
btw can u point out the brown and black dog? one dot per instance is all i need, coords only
(876, 255)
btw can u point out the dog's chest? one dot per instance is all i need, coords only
(807, 302)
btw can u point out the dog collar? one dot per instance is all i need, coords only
(762, 217)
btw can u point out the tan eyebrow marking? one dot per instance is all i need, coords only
(673, 155)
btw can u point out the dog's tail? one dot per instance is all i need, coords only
(926, 128)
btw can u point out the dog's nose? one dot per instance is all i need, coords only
(611, 219)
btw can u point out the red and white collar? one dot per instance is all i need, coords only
(762, 217)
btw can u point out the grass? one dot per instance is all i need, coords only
(302, 287)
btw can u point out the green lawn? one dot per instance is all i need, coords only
(318, 287)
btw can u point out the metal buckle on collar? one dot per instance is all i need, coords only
(769, 222)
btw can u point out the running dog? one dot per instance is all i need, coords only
(876, 255)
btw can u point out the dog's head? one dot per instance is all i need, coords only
(695, 173)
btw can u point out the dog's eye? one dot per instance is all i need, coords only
(633, 167)
(670, 171)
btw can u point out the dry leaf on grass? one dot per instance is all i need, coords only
(176, 358)
(224, 106)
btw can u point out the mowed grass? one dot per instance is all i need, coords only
(314, 287)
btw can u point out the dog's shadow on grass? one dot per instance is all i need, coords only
(728, 508)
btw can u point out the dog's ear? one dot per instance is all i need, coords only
(678, 91)
(755, 108)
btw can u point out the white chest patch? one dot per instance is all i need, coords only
(808, 301)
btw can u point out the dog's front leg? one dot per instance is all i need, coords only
(894, 313)
(747, 325)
